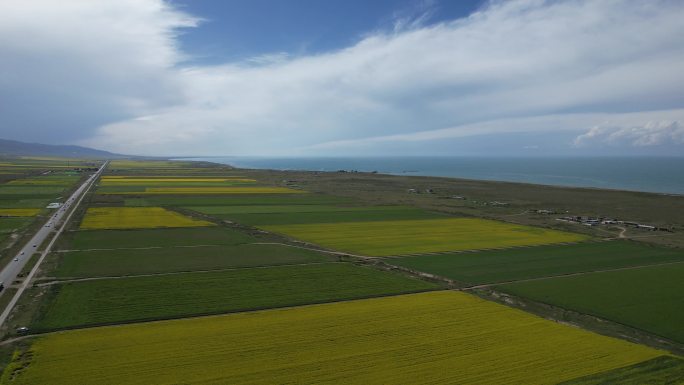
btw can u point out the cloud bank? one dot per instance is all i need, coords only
(110, 74)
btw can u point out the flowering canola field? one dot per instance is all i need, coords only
(136, 218)
(437, 337)
(382, 238)
(18, 212)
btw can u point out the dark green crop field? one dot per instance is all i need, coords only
(647, 298)
(241, 200)
(356, 215)
(168, 237)
(274, 209)
(22, 202)
(99, 263)
(27, 191)
(664, 370)
(145, 298)
(541, 261)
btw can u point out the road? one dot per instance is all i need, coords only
(56, 221)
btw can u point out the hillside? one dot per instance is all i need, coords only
(16, 148)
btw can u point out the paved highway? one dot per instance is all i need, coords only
(57, 221)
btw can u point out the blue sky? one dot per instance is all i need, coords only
(240, 29)
(313, 78)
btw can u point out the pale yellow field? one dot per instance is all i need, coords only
(212, 190)
(136, 218)
(402, 237)
(431, 338)
(19, 212)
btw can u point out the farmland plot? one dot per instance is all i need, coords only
(648, 298)
(438, 337)
(104, 301)
(119, 262)
(540, 261)
(382, 238)
(136, 217)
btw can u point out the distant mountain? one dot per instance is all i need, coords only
(15, 148)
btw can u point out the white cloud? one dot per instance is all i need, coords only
(653, 133)
(67, 65)
(513, 66)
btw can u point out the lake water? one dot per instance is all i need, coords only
(662, 175)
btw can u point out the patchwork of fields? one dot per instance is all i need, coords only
(28, 185)
(106, 301)
(239, 298)
(441, 337)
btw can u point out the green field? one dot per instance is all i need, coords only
(383, 238)
(658, 371)
(360, 214)
(540, 261)
(30, 190)
(237, 200)
(98, 263)
(278, 209)
(648, 298)
(163, 237)
(107, 301)
(441, 337)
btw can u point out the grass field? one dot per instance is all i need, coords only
(658, 371)
(238, 200)
(27, 212)
(439, 337)
(99, 263)
(9, 225)
(163, 237)
(648, 298)
(181, 295)
(136, 217)
(208, 190)
(541, 261)
(382, 238)
(360, 214)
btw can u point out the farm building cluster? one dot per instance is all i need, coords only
(597, 221)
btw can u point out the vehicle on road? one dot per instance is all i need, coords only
(16, 259)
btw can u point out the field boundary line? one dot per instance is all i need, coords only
(141, 248)
(68, 280)
(486, 285)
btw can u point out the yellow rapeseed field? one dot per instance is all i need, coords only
(136, 218)
(431, 338)
(19, 212)
(382, 238)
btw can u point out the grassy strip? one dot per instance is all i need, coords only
(180, 295)
(663, 370)
(648, 298)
